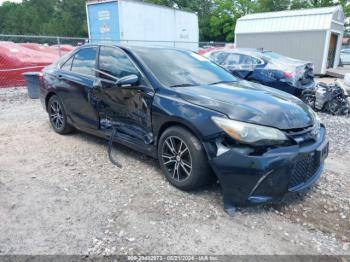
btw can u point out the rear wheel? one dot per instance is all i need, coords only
(58, 117)
(182, 159)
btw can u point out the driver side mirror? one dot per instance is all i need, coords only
(129, 80)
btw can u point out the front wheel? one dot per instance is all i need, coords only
(183, 159)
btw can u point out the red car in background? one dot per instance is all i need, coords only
(16, 59)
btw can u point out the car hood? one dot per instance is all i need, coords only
(249, 102)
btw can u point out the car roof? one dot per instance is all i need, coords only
(134, 47)
(247, 51)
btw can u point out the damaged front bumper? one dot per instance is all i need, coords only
(248, 179)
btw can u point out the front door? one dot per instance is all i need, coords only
(126, 107)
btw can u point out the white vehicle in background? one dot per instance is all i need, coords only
(142, 24)
(345, 56)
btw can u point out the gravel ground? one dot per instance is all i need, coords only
(61, 195)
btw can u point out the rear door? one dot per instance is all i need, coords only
(76, 78)
(128, 107)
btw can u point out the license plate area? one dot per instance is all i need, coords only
(324, 152)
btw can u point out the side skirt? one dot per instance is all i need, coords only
(149, 150)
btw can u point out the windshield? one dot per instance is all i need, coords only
(182, 68)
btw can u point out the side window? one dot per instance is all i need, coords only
(232, 59)
(214, 55)
(249, 60)
(220, 58)
(256, 61)
(116, 63)
(68, 64)
(84, 61)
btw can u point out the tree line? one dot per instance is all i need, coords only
(217, 18)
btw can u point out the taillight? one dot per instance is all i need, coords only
(287, 74)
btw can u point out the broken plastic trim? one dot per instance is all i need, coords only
(225, 144)
(110, 147)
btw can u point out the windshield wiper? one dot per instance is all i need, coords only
(222, 82)
(183, 85)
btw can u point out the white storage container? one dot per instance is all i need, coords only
(137, 23)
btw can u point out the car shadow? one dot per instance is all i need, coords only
(118, 148)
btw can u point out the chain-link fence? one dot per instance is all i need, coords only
(21, 54)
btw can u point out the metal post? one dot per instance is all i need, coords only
(59, 46)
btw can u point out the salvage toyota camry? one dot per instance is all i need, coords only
(193, 116)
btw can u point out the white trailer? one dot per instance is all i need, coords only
(138, 23)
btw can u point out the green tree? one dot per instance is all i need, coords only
(300, 4)
(68, 19)
(44, 17)
(217, 18)
(224, 17)
(272, 5)
(321, 3)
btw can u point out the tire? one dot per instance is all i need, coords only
(58, 116)
(183, 177)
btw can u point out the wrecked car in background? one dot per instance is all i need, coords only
(193, 116)
(331, 98)
(267, 68)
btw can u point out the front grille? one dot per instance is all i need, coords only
(305, 135)
(305, 168)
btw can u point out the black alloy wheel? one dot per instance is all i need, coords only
(177, 158)
(58, 117)
(183, 159)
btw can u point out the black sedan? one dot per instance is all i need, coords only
(193, 116)
(267, 68)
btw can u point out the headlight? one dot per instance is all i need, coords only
(250, 133)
